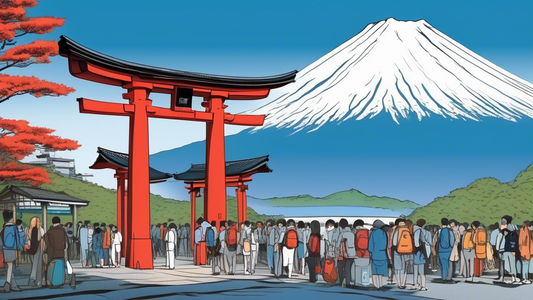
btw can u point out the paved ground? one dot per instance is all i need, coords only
(188, 281)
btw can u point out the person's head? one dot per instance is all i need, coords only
(222, 223)
(358, 223)
(247, 223)
(87, 223)
(231, 223)
(301, 224)
(444, 222)
(291, 223)
(18, 222)
(56, 220)
(453, 224)
(398, 221)
(508, 219)
(111, 227)
(343, 223)
(68, 224)
(420, 223)
(281, 223)
(173, 225)
(269, 223)
(378, 224)
(475, 224)
(330, 225)
(35, 222)
(214, 223)
(315, 227)
(8, 215)
(200, 220)
(102, 226)
(259, 224)
(165, 225)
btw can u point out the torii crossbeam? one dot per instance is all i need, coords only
(140, 81)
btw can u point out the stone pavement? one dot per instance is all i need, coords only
(188, 281)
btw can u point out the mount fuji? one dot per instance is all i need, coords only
(399, 110)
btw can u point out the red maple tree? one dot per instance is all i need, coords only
(17, 137)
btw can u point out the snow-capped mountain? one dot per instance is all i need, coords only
(393, 72)
(403, 68)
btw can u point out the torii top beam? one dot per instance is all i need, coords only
(91, 65)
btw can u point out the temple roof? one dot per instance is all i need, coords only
(69, 47)
(233, 168)
(39, 195)
(120, 160)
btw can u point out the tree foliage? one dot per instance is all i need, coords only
(15, 23)
(17, 138)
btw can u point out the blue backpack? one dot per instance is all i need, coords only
(11, 238)
(444, 239)
(210, 237)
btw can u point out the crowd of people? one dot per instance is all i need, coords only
(351, 255)
(354, 255)
(96, 245)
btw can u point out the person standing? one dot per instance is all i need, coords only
(446, 240)
(83, 244)
(469, 253)
(261, 239)
(377, 246)
(231, 237)
(508, 241)
(422, 240)
(56, 242)
(91, 256)
(278, 259)
(97, 246)
(35, 235)
(170, 242)
(454, 255)
(346, 245)
(116, 246)
(271, 242)
(289, 243)
(303, 238)
(222, 260)
(313, 259)
(10, 245)
(493, 242)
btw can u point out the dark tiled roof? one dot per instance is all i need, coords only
(69, 47)
(38, 195)
(121, 160)
(233, 168)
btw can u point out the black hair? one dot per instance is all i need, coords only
(358, 222)
(281, 221)
(18, 222)
(7, 214)
(330, 222)
(343, 223)
(301, 224)
(475, 224)
(315, 227)
(213, 223)
(56, 220)
(420, 223)
(200, 220)
(291, 222)
(246, 223)
(444, 221)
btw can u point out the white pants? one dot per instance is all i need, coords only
(115, 254)
(170, 259)
(288, 259)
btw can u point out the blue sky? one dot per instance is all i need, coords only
(235, 37)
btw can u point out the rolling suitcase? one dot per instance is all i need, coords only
(55, 273)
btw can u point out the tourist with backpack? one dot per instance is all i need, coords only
(359, 271)
(346, 245)
(469, 252)
(330, 253)
(313, 249)
(480, 240)
(422, 240)
(232, 236)
(288, 244)
(454, 255)
(221, 248)
(495, 231)
(246, 245)
(445, 241)
(10, 245)
(525, 247)
(508, 241)
(403, 246)
(377, 247)
(262, 242)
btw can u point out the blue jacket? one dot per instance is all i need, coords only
(377, 245)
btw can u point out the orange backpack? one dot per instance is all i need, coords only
(405, 241)
(468, 243)
(232, 238)
(314, 245)
(524, 243)
(291, 238)
(481, 243)
(330, 272)
(361, 243)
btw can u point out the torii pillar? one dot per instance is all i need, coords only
(140, 81)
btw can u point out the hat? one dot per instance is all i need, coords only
(378, 224)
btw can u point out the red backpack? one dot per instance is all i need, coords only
(232, 239)
(291, 238)
(361, 243)
(330, 274)
(314, 245)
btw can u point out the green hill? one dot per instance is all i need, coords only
(485, 200)
(103, 204)
(351, 197)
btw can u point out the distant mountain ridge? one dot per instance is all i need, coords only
(351, 197)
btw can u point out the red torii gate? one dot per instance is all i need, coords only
(238, 172)
(117, 161)
(140, 81)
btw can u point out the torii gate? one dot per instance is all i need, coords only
(140, 81)
(118, 161)
(238, 172)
